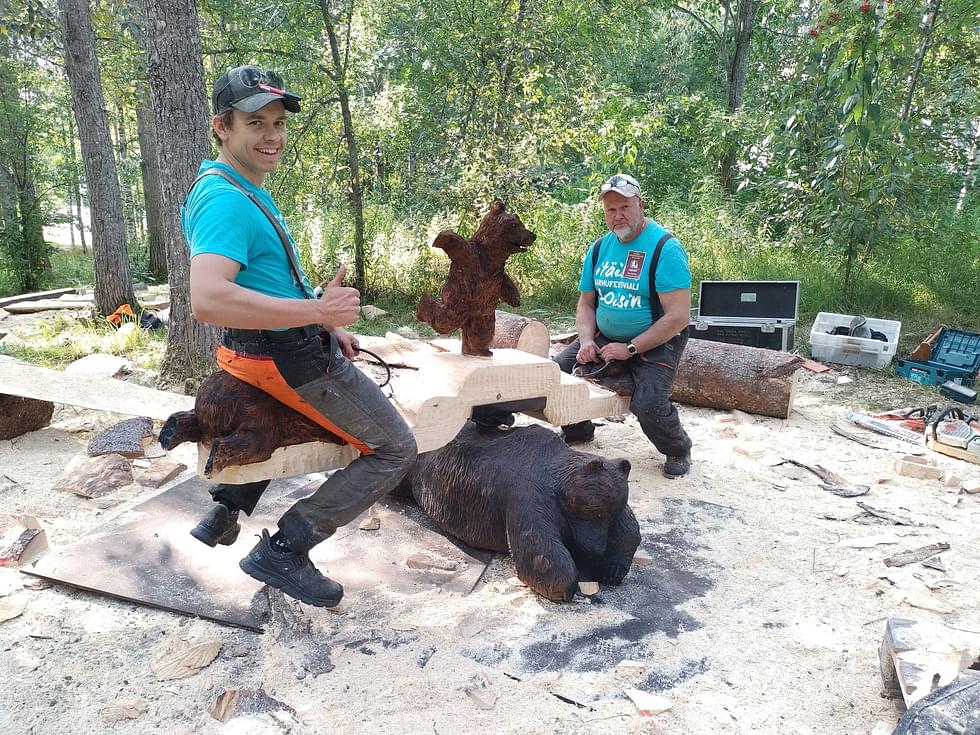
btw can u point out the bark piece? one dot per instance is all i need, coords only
(370, 524)
(425, 561)
(910, 557)
(31, 543)
(158, 473)
(187, 661)
(21, 415)
(888, 516)
(128, 438)
(92, 477)
(521, 333)
(370, 312)
(232, 702)
(832, 482)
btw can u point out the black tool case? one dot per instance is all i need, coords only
(751, 313)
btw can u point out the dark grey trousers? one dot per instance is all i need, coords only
(326, 379)
(653, 378)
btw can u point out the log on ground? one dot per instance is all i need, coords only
(520, 333)
(720, 375)
(724, 376)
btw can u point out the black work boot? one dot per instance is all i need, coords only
(219, 526)
(292, 572)
(580, 433)
(675, 467)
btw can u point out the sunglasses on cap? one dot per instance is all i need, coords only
(243, 82)
(622, 184)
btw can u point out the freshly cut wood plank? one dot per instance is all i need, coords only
(35, 296)
(437, 399)
(89, 391)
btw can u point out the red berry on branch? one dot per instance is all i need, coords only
(814, 32)
(865, 7)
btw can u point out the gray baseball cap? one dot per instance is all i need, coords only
(249, 88)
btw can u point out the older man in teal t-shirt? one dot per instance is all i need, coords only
(620, 317)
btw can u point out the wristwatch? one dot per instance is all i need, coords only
(631, 348)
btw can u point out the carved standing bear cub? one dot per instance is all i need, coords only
(562, 514)
(476, 279)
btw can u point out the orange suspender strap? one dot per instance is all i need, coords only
(261, 372)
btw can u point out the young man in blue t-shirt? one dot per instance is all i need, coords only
(245, 276)
(618, 318)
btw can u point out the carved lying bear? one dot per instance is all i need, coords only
(476, 279)
(561, 513)
(241, 423)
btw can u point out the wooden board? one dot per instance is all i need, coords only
(53, 294)
(32, 307)
(148, 556)
(89, 391)
(436, 400)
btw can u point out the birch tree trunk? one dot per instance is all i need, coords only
(76, 183)
(926, 26)
(180, 112)
(338, 74)
(113, 286)
(152, 194)
(970, 177)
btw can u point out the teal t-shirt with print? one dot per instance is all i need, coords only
(621, 280)
(217, 218)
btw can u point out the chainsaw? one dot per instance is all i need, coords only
(954, 432)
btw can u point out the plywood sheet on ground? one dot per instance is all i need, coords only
(147, 556)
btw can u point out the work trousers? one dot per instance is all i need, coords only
(653, 378)
(312, 375)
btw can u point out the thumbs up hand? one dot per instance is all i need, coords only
(339, 305)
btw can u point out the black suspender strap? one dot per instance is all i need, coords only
(283, 237)
(655, 306)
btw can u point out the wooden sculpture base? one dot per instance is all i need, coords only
(437, 397)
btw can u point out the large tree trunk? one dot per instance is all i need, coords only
(338, 74)
(152, 195)
(173, 51)
(113, 286)
(926, 27)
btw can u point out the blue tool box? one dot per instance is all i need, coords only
(955, 356)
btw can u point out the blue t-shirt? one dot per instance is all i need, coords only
(217, 218)
(621, 280)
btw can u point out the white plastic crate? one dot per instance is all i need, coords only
(857, 351)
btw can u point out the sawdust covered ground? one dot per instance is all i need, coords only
(761, 612)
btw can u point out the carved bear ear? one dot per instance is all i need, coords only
(592, 466)
(497, 207)
(624, 467)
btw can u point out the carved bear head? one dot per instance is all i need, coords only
(592, 492)
(502, 233)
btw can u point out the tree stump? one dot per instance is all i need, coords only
(520, 333)
(21, 415)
